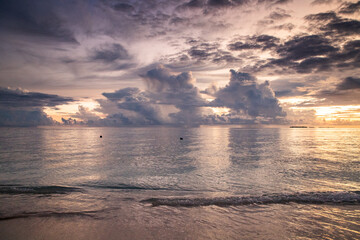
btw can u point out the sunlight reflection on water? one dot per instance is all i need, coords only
(109, 177)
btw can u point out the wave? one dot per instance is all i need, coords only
(301, 198)
(49, 214)
(18, 189)
(122, 186)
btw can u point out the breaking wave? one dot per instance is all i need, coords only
(301, 198)
(122, 186)
(18, 189)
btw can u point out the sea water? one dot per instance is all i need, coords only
(146, 183)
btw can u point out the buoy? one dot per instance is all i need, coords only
(181, 138)
(100, 136)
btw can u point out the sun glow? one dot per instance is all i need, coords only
(332, 113)
(220, 110)
(297, 100)
(68, 110)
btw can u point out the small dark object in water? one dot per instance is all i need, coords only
(100, 136)
(181, 138)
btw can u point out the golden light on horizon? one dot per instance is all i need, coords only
(339, 114)
(220, 110)
(331, 113)
(297, 100)
(68, 110)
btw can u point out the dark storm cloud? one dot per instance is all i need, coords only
(345, 92)
(225, 56)
(120, 94)
(343, 27)
(349, 83)
(164, 88)
(201, 52)
(274, 2)
(285, 26)
(124, 7)
(17, 98)
(329, 23)
(19, 108)
(318, 63)
(317, 55)
(237, 46)
(23, 118)
(151, 115)
(320, 17)
(329, 47)
(212, 5)
(255, 42)
(137, 105)
(178, 90)
(289, 87)
(349, 56)
(109, 53)
(243, 94)
(279, 14)
(305, 46)
(318, 2)
(34, 18)
(350, 8)
(160, 79)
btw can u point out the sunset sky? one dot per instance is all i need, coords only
(198, 62)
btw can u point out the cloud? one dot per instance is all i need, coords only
(202, 52)
(279, 14)
(311, 53)
(319, 2)
(305, 46)
(210, 6)
(24, 118)
(109, 53)
(243, 95)
(285, 26)
(160, 79)
(69, 121)
(10, 98)
(330, 24)
(20, 108)
(136, 108)
(170, 98)
(322, 17)
(123, 7)
(255, 42)
(350, 8)
(120, 94)
(35, 19)
(274, 2)
(340, 93)
(288, 87)
(343, 27)
(85, 114)
(349, 83)
(178, 90)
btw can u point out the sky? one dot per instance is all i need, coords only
(183, 62)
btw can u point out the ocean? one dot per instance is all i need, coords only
(145, 183)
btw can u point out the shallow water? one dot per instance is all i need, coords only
(146, 183)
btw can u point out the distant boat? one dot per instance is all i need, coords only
(298, 126)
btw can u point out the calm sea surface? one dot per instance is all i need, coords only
(146, 183)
